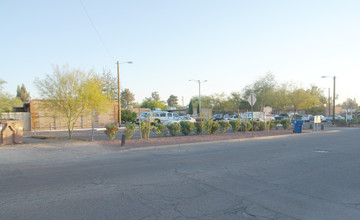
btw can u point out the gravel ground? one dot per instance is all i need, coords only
(42, 148)
(84, 138)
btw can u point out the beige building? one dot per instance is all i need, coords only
(43, 119)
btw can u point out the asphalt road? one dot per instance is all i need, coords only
(307, 176)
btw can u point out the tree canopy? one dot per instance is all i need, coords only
(127, 97)
(22, 93)
(172, 100)
(71, 93)
(7, 101)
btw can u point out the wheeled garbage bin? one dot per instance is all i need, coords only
(297, 125)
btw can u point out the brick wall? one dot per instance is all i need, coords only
(45, 119)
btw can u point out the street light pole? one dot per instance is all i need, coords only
(119, 94)
(334, 78)
(199, 82)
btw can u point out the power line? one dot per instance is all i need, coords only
(97, 32)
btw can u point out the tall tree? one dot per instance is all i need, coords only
(155, 96)
(127, 97)
(302, 99)
(152, 104)
(263, 89)
(22, 93)
(191, 107)
(71, 93)
(110, 84)
(172, 100)
(280, 98)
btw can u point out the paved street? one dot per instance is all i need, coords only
(305, 176)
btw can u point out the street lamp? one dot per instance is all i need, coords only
(334, 78)
(119, 94)
(199, 82)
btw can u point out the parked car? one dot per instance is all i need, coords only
(187, 118)
(307, 118)
(159, 116)
(282, 116)
(330, 118)
(217, 117)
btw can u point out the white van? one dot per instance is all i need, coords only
(160, 116)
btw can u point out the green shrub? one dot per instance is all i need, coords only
(285, 123)
(187, 127)
(111, 131)
(160, 129)
(199, 127)
(128, 116)
(235, 125)
(256, 125)
(145, 129)
(211, 126)
(259, 125)
(224, 125)
(262, 126)
(245, 126)
(130, 130)
(174, 129)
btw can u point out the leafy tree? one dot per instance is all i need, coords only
(302, 99)
(22, 94)
(7, 101)
(280, 98)
(155, 96)
(263, 89)
(236, 100)
(350, 104)
(127, 97)
(110, 84)
(172, 100)
(151, 104)
(128, 116)
(71, 93)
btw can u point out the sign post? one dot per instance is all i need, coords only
(252, 100)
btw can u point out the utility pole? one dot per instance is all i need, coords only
(119, 93)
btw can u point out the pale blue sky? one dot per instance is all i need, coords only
(230, 43)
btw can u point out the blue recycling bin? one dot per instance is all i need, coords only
(297, 125)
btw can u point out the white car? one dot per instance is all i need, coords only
(330, 118)
(187, 118)
(306, 118)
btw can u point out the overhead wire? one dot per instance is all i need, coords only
(96, 31)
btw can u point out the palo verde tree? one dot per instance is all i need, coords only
(71, 93)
